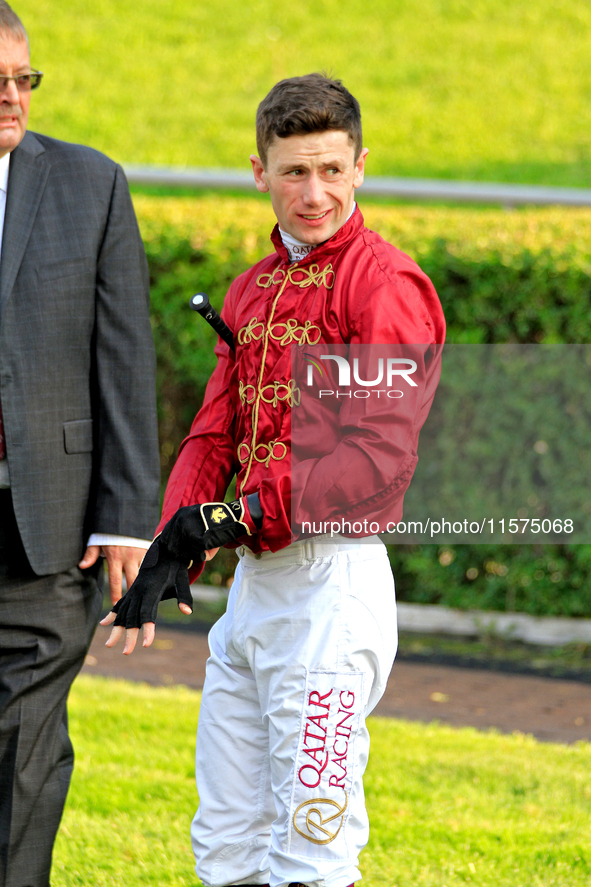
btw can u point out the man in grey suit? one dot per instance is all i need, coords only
(78, 450)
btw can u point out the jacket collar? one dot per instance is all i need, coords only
(331, 246)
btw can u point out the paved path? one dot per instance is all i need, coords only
(552, 710)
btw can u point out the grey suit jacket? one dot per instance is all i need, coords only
(77, 368)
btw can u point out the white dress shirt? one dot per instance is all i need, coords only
(96, 538)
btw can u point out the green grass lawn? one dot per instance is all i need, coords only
(474, 89)
(448, 807)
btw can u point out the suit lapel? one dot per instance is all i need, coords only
(26, 182)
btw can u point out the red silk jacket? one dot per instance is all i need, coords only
(354, 289)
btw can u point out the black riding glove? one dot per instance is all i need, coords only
(195, 529)
(186, 537)
(161, 577)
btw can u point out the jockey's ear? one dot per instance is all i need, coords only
(260, 178)
(360, 168)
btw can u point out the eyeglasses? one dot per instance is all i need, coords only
(24, 82)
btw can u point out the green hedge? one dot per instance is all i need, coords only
(521, 276)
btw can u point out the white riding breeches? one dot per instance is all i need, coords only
(297, 662)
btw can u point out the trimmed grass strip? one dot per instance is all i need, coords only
(448, 807)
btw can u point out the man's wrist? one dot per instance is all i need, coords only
(226, 521)
(195, 529)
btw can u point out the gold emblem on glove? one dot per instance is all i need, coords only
(315, 819)
(218, 515)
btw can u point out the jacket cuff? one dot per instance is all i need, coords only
(249, 517)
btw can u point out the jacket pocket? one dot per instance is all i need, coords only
(78, 436)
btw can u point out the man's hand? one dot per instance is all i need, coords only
(120, 559)
(194, 533)
(161, 577)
